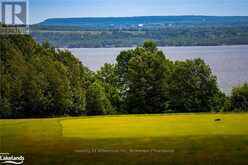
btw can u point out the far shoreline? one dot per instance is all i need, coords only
(132, 47)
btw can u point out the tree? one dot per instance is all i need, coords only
(193, 87)
(239, 98)
(97, 102)
(144, 77)
(40, 81)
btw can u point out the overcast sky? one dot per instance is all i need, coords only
(43, 9)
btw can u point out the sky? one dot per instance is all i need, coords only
(43, 9)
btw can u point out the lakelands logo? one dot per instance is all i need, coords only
(7, 158)
(14, 14)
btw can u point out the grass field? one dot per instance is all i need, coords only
(186, 139)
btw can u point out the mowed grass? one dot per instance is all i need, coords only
(135, 139)
(155, 126)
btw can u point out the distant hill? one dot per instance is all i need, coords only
(132, 31)
(147, 21)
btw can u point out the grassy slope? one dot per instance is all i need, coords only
(195, 139)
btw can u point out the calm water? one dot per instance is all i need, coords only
(229, 63)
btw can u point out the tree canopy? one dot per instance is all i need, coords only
(38, 80)
(193, 87)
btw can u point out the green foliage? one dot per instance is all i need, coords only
(109, 78)
(219, 102)
(39, 81)
(152, 84)
(239, 98)
(150, 46)
(193, 87)
(122, 67)
(144, 78)
(97, 101)
(227, 105)
(108, 74)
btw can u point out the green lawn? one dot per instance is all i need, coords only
(128, 140)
